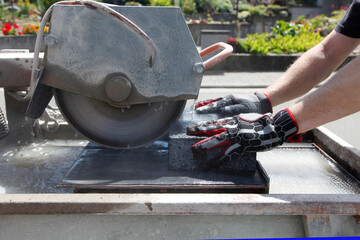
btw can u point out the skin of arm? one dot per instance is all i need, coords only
(311, 68)
(337, 98)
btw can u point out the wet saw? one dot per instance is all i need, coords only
(119, 74)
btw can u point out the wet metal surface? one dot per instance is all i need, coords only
(147, 169)
(36, 167)
(306, 170)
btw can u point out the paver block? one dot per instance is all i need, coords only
(182, 158)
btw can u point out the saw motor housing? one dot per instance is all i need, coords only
(96, 55)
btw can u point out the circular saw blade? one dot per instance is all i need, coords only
(115, 127)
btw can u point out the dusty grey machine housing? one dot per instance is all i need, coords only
(94, 54)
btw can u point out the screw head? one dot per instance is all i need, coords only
(199, 68)
(118, 88)
(50, 40)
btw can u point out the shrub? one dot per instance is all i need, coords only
(290, 37)
(322, 21)
(25, 7)
(244, 7)
(286, 28)
(258, 10)
(223, 5)
(43, 5)
(4, 15)
(163, 3)
(242, 48)
(188, 7)
(141, 2)
(247, 10)
(200, 5)
(243, 15)
(264, 43)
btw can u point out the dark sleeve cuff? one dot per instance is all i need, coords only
(349, 25)
(347, 32)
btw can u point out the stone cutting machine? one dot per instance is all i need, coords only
(119, 74)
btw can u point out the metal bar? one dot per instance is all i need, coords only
(227, 50)
(342, 152)
(15, 69)
(181, 204)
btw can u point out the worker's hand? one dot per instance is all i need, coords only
(234, 104)
(233, 136)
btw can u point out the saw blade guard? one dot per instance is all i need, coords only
(152, 54)
(119, 58)
(120, 54)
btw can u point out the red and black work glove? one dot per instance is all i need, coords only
(231, 137)
(234, 104)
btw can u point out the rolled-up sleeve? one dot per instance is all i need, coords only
(349, 25)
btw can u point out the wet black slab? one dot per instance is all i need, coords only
(99, 169)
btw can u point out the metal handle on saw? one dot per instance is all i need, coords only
(227, 50)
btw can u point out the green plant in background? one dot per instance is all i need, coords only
(242, 47)
(134, 3)
(244, 7)
(247, 10)
(25, 7)
(322, 21)
(211, 6)
(43, 5)
(163, 3)
(5, 15)
(263, 44)
(200, 5)
(259, 10)
(290, 37)
(188, 7)
(223, 5)
(286, 28)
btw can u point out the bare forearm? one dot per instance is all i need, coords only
(311, 68)
(300, 78)
(335, 99)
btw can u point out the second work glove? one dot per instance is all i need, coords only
(234, 104)
(231, 137)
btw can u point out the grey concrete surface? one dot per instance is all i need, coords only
(19, 42)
